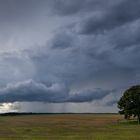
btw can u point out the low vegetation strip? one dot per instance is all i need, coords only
(67, 127)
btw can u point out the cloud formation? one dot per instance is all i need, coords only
(30, 91)
(113, 17)
(74, 51)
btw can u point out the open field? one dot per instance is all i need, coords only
(68, 127)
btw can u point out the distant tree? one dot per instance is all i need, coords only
(129, 103)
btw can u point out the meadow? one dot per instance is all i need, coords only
(68, 127)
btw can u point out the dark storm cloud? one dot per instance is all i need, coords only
(62, 41)
(11, 10)
(69, 7)
(66, 7)
(32, 91)
(91, 45)
(113, 17)
(101, 59)
(127, 36)
(88, 96)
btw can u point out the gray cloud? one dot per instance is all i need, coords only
(32, 91)
(110, 103)
(69, 7)
(82, 46)
(113, 17)
(127, 36)
(84, 60)
(88, 96)
(62, 40)
(66, 7)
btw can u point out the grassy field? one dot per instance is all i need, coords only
(68, 127)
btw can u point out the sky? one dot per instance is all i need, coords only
(67, 55)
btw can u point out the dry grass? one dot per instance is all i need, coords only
(68, 126)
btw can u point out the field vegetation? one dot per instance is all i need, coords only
(68, 127)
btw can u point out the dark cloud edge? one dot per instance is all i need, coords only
(30, 91)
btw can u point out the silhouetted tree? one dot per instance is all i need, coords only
(129, 103)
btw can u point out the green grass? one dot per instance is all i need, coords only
(68, 127)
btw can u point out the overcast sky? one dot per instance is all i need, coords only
(67, 55)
